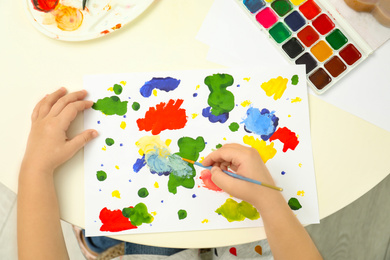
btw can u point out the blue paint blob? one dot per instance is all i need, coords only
(165, 84)
(262, 122)
(100, 189)
(101, 165)
(121, 144)
(139, 164)
(195, 94)
(238, 85)
(129, 180)
(283, 172)
(124, 116)
(194, 196)
(206, 112)
(98, 122)
(162, 201)
(254, 5)
(295, 21)
(169, 164)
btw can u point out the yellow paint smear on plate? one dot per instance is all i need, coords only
(266, 151)
(67, 18)
(275, 87)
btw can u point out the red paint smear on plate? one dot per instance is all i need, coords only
(233, 251)
(287, 137)
(164, 116)
(114, 221)
(45, 5)
(205, 176)
(105, 32)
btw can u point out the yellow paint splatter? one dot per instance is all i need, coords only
(123, 125)
(266, 151)
(117, 167)
(156, 185)
(297, 99)
(289, 115)
(116, 194)
(201, 159)
(154, 213)
(194, 115)
(168, 142)
(104, 148)
(155, 92)
(110, 89)
(247, 79)
(205, 221)
(301, 193)
(275, 87)
(123, 83)
(300, 164)
(141, 152)
(246, 103)
(224, 138)
(197, 87)
(151, 143)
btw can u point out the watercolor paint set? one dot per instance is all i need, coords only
(312, 33)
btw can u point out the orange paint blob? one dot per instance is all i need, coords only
(67, 18)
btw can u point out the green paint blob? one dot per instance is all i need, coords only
(135, 106)
(220, 100)
(218, 146)
(182, 214)
(234, 211)
(234, 127)
(117, 89)
(294, 79)
(143, 192)
(138, 215)
(111, 106)
(189, 148)
(294, 204)
(110, 141)
(101, 175)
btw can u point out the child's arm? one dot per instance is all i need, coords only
(38, 227)
(286, 236)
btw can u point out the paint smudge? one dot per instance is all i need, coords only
(66, 18)
(111, 106)
(139, 164)
(45, 5)
(206, 112)
(110, 141)
(166, 84)
(116, 194)
(220, 100)
(205, 221)
(246, 103)
(294, 204)
(247, 79)
(294, 80)
(259, 250)
(233, 251)
(123, 125)
(182, 214)
(275, 86)
(138, 214)
(218, 145)
(143, 192)
(101, 175)
(234, 211)
(205, 176)
(301, 193)
(189, 148)
(266, 151)
(164, 116)
(234, 127)
(262, 122)
(295, 100)
(287, 137)
(117, 89)
(114, 221)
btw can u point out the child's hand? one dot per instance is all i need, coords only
(244, 161)
(48, 145)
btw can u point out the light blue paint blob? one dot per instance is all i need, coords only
(166, 84)
(254, 5)
(179, 167)
(206, 112)
(262, 122)
(157, 163)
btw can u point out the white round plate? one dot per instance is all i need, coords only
(66, 20)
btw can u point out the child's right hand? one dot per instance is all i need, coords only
(244, 161)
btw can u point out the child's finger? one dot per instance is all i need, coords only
(35, 112)
(70, 112)
(65, 100)
(49, 101)
(80, 140)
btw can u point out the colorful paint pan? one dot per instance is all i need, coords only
(310, 33)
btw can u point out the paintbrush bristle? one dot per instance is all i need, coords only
(189, 161)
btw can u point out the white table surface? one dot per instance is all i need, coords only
(351, 155)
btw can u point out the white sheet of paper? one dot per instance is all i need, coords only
(292, 170)
(363, 92)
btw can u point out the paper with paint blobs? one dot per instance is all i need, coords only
(135, 180)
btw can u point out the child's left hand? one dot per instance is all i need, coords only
(48, 145)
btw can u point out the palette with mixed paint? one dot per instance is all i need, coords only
(66, 20)
(135, 181)
(312, 33)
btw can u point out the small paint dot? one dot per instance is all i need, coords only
(162, 201)
(135, 106)
(238, 85)
(300, 165)
(117, 89)
(116, 194)
(104, 148)
(110, 141)
(143, 192)
(295, 80)
(101, 165)
(98, 122)
(195, 94)
(182, 214)
(117, 167)
(100, 189)
(150, 225)
(205, 221)
(194, 196)
(129, 180)
(124, 116)
(101, 175)
(283, 172)
(156, 185)
(123, 125)
(234, 127)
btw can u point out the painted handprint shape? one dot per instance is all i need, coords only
(380, 9)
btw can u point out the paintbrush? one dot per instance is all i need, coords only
(235, 175)
(84, 3)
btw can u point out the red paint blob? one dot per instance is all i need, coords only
(45, 5)
(310, 9)
(105, 32)
(114, 221)
(287, 137)
(350, 54)
(308, 36)
(164, 116)
(323, 24)
(233, 251)
(205, 176)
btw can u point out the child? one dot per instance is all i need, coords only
(39, 229)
